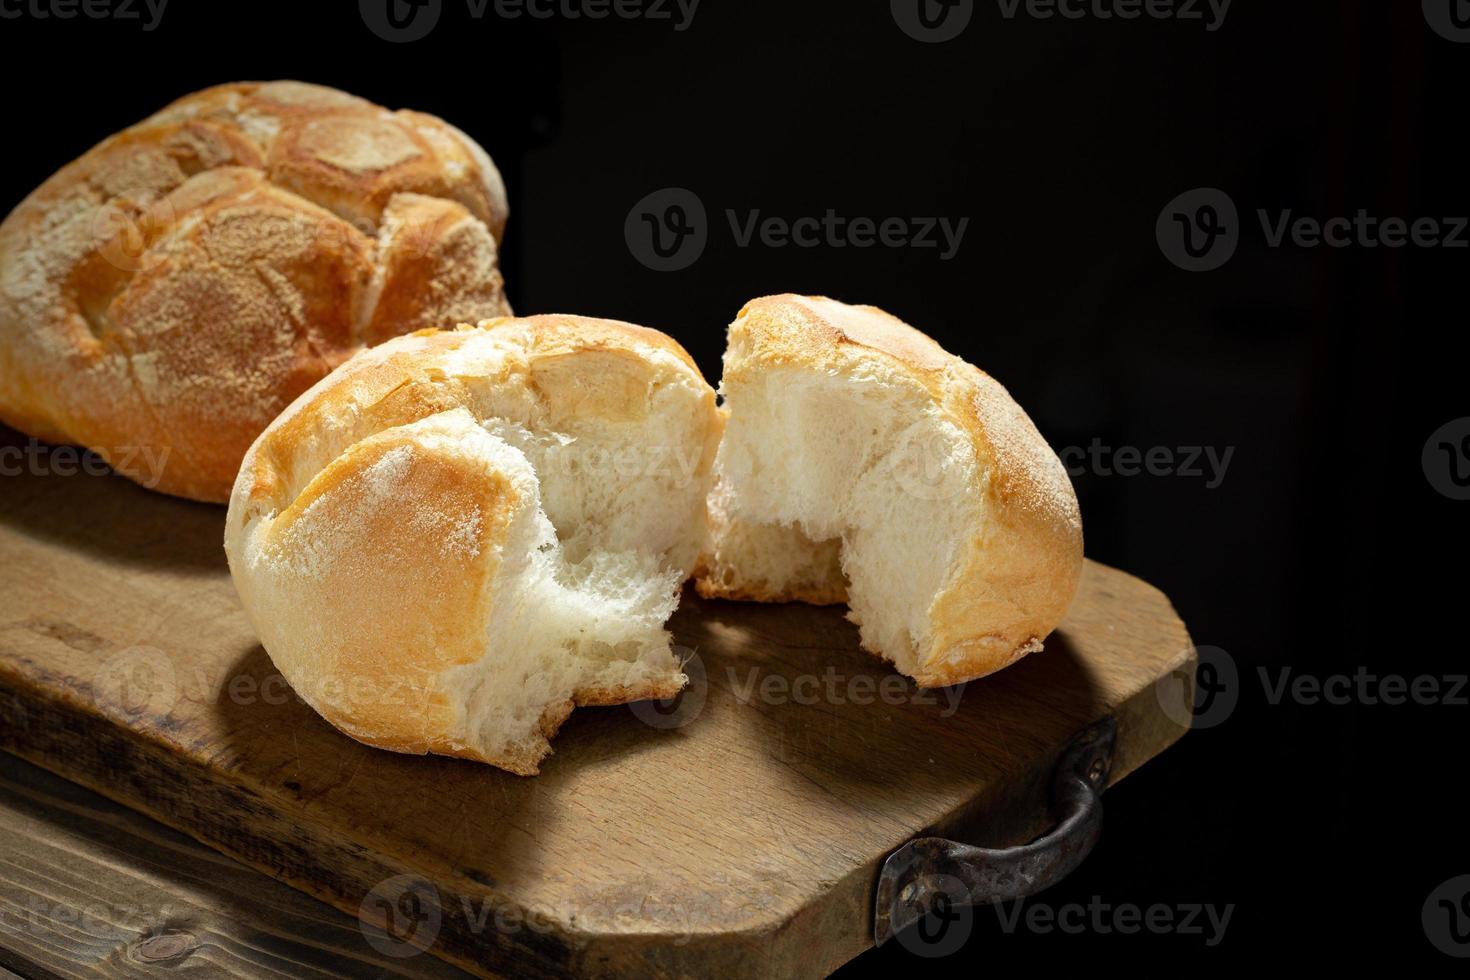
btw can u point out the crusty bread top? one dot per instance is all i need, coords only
(805, 329)
(173, 288)
(816, 331)
(432, 371)
(334, 149)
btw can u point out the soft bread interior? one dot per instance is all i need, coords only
(565, 625)
(863, 461)
(815, 467)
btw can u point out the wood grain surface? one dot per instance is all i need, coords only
(89, 889)
(738, 834)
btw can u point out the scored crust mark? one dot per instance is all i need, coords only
(283, 203)
(868, 326)
(356, 147)
(434, 267)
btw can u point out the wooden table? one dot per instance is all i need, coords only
(89, 888)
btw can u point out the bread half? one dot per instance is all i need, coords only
(863, 463)
(458, 536)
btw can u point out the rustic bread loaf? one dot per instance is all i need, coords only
(458, 536)
(863, 463)
(163, 297)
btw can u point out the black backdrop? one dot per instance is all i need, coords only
(1324, 547)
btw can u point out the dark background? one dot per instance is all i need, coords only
(1325, 547)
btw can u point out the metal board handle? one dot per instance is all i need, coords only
(908, 887)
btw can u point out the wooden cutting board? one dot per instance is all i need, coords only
(738, 835)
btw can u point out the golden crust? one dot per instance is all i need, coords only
(164, 296)
(1015, 577)
(369, 488)
(564, 333)
(422, 374)
(708, 584)
(355, 539)
(589, 697)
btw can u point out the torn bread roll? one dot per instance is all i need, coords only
(458, 536)
(863, 463)
(163, 297)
